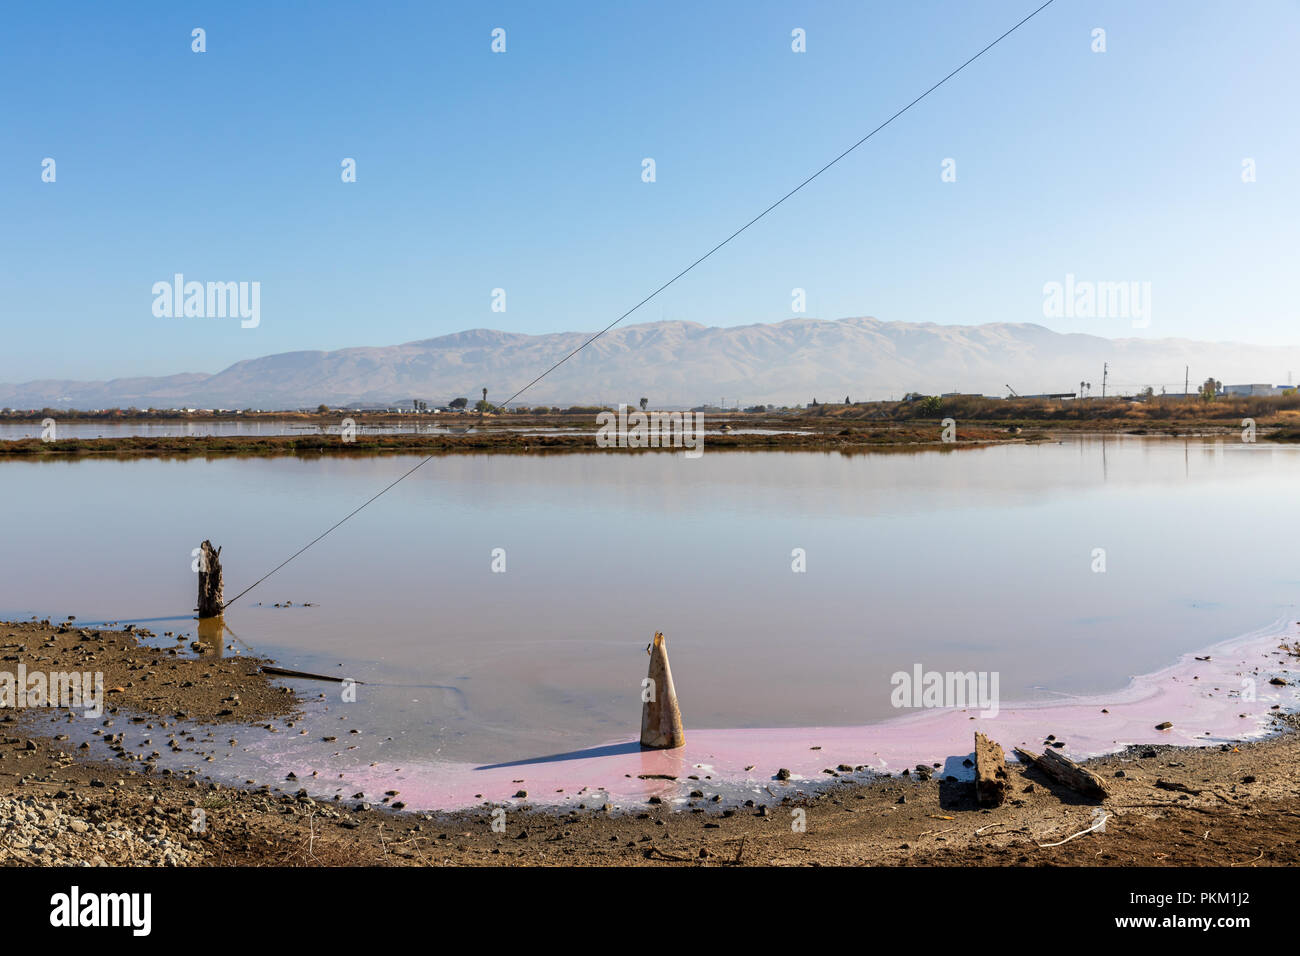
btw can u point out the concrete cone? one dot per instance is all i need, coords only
(661, 721)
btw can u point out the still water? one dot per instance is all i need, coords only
(16, 431)
(984, 560)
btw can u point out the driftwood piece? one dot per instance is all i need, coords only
(661, 720)
(990, 772)
(211, 596)
(1065, 771)
(288, 672)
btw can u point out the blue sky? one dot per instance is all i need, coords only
(522, 170)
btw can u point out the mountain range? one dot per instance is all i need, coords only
(680, 364)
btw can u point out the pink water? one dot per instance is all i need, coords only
(978, 560)
(1207, 701)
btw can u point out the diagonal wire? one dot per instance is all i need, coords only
(656, 292)
(777, 203)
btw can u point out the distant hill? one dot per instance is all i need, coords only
(684, 364)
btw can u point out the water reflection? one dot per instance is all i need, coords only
(958, 560)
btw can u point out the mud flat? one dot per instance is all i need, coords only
(510, 438)
(1233, 801)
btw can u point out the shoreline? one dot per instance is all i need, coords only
(1198, 691)
(488, 441)
(563, 434)
(265, 824)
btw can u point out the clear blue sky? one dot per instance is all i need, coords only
(523, 170)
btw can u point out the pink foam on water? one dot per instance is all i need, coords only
(1203, 699)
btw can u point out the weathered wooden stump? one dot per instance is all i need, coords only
(1065, 771)
(661, 720)
(211, 596)
(991, 779)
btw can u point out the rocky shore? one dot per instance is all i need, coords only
(1234, 803)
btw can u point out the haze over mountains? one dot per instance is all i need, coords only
(685, 364)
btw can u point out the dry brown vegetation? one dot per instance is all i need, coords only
(1101, 414)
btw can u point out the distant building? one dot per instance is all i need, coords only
(1254, 390)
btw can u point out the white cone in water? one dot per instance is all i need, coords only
(661, 720)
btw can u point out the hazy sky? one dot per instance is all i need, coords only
(523, 170)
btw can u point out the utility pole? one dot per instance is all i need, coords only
(1187, 379)
(1105, 370)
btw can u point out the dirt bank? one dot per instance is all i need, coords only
(494, 438)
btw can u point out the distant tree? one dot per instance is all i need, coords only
(814, 402)
(846, 400)
(931, 404)
(1210, 388)
(458, 403)
(322, 409)
(644, 403)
